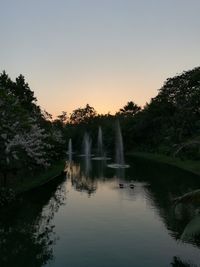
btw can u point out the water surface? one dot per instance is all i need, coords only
(85, 219)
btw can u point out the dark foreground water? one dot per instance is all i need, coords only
(85, 219)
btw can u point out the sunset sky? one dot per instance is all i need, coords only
(101, 52)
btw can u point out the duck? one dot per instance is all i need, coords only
(131, 186)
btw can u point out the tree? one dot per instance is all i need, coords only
(22, 140)
(130, 109)
(27, 138)
(63, 118)
(172, 118)
(83, 115)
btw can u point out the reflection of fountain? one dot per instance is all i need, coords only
(119, 150)
(120, 174)
(87, 143)
(70, 150)
(87, 152)
(81, 181)
(100, 169)
(120, 177)
(101, 155)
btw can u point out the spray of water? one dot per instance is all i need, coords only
(119, 149)
(87, 145)
(100, 151)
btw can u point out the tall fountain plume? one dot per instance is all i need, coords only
(101, 154)
(119, 150)
(70, 150)
(87, 143)
(119, 147)
(100, 151)
(87, 146)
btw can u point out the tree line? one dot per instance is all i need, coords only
(31, 139)
(28, 138)
(169, 124)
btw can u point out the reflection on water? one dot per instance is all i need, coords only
(189, 216)
(120, 174)
(176, 217)
(160, 185)
(80, 177)
(27, 232)
(177, 262)
(115, 227)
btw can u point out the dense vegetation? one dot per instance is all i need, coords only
(31, 140)
(28, 139)
(169, 124)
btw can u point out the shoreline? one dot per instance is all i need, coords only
(186, 165)
(41, 179)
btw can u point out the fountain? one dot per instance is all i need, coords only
(87, 146)
(101, 155)
(87, 143)
(100, 143)
(119, 150)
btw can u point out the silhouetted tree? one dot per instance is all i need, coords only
(130, 109)
(83, 115)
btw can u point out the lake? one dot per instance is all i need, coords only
(85, 219)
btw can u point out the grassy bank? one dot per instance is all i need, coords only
(188, 165)
(29, 182)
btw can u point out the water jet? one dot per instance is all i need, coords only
(119, 150)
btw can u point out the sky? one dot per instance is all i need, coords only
(101, 52)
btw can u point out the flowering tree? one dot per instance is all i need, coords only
(31, 144)
(27, 139)
(22, 141)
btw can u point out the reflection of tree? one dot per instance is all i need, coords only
(26, 229)
(177, 262)
(167, 183)
(83, 183)
(190, 215)
(177, 218)
(72, 169)
(81, 179)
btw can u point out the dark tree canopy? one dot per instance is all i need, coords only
(130, 109)
(169, 124)
(27, 136)
(83, 115)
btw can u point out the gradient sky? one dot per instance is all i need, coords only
(101, 52)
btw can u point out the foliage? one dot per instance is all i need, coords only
(177, 262)
(169, 124)
(27, 138)
(81, 115)
(172, 118)
(130, 109)
(6, 196)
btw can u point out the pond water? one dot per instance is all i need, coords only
(85, 219)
